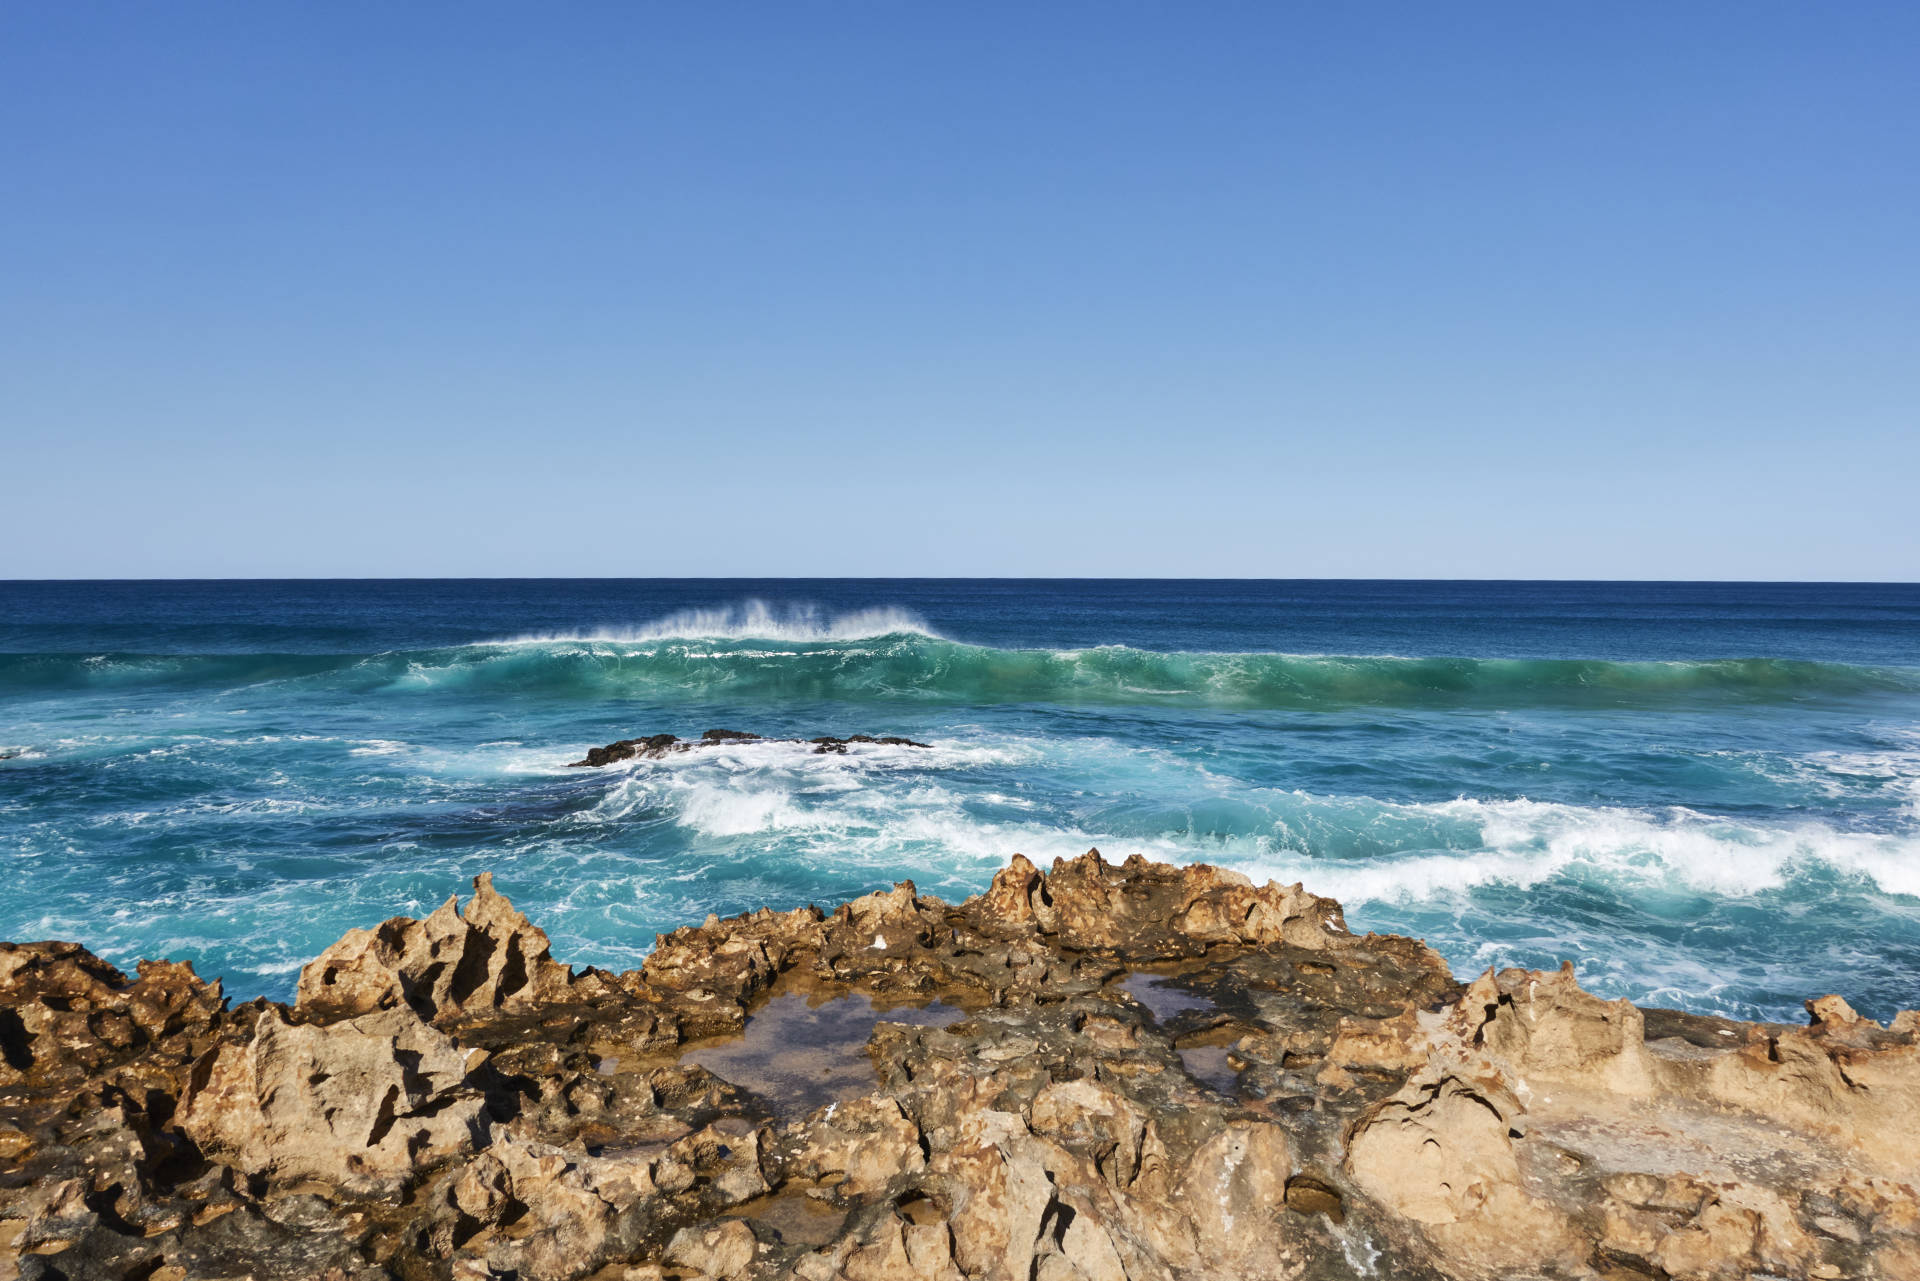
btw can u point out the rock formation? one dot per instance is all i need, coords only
(1142, 1072)
(488, 958)
(659, 746)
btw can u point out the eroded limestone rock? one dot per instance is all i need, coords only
(453, 964)
(1158, 1073)
(366, 1102)
(65, 1014)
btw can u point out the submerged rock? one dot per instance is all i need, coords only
(659, 746)
(1096, 1072)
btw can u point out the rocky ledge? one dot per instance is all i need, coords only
(1098, 1073)
(659, 746)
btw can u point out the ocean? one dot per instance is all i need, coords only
(1705, 795)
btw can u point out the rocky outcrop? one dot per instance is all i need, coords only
(486, 959)
(365, 1103)
(1154, 1072)
(659, 746)
(66, 1015)
(1540, 1121)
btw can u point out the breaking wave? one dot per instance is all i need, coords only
(851, 658)
(1356, 848)
(752, 620)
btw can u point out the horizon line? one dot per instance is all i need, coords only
(959, 578)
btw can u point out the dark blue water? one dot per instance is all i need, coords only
(1704, 794)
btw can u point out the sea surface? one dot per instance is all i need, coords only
(1705, 795)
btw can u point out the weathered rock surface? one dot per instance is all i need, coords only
(364, 1102)
(1157, 1072)
(659, 746)
(488, 958)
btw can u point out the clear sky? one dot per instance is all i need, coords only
(1458, 290)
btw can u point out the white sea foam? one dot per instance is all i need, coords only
(1845, 775)
(748, 620)
(1523, 843)
(730, 811)
(803, 766)
(773, 786)
(1357, 849)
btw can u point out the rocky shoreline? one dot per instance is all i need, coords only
(1097, 1073)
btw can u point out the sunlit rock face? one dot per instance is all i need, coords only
(1095, 1072)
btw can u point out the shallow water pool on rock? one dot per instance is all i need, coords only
(1208, 1065)
(1162, 999)
(800, 1052)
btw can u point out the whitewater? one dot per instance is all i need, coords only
(1705, 795)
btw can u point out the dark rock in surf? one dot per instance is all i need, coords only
(628, 749)
(828, 745)
(660, 746)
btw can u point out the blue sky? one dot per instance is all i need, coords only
(1494, 290)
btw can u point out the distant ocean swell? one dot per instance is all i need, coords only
(904, 665)
(239, 786)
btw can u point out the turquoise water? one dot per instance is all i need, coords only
(1706, 795)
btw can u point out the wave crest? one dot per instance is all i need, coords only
(753, 652)
(750, 620)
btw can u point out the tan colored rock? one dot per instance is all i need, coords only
(1720, 1242)
(1832, 1010)
(363, 1103)
(1088, 1250)
(1693, 1230)
(1397, 1044)
(1001, 1193)
(1440, 1153)
(1790, 1076)
(868, 1142)
(1866, 1098)
(736, 960)
(1152, 909)
(1232, 1190)
(1009, 900)
(1090, 1116)
(896, 1250)
(566, 1214)
(453, 963)
(1884, 1205)
(1226, 908)
(1895, 1260)
(721, 1250)
(568, 1209)
(1434, 1153)
(1545, 1030)
(65, 1013)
